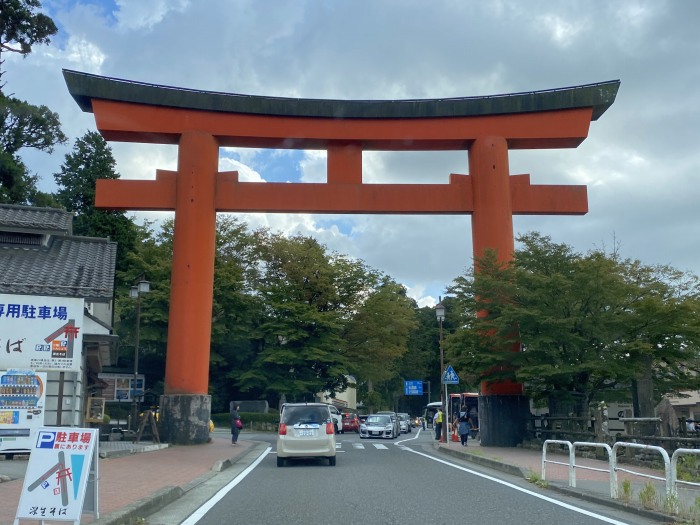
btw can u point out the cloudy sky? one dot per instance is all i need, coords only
(641, 161)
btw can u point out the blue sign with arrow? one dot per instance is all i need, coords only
(450, 377)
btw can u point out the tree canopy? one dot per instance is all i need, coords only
(23, 125)
(586, 324)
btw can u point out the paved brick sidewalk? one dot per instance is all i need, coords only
(131, 478)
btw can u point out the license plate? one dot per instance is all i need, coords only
(306, 432)
(374, 433)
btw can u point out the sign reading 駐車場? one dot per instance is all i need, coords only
(60, 466)
(40, 332)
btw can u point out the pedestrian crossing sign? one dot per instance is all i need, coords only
(450, 377)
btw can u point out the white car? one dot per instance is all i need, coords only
(337, 419)
(306, 431)
(405, 422)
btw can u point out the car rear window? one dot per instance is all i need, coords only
(305, 414)
(382, 420)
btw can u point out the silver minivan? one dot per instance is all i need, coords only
(306, 430)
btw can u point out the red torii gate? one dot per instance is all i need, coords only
(200, 122)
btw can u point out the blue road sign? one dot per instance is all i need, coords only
(413, 388)
(450, 377)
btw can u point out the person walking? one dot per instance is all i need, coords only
(464, 428)
(236, 424)
(437, 423)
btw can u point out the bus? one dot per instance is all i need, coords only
(458, 403)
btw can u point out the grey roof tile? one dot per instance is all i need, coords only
(68, 266)
(14, 217)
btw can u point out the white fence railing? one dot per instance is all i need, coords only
(670, 467)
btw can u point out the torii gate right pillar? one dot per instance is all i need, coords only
(503, 409)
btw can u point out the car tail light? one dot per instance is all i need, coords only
(283, 429)
(330, 429)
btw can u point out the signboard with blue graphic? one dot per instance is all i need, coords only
(413, 388)
(450, 377)
(41, 333)
(60, 464)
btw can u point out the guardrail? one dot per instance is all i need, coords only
(572, 460)
(669, 467)
(674, 467)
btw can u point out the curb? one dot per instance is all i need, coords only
(488, 462)
(164, 497)
(143, 508)
(619, 505)
(129, 451)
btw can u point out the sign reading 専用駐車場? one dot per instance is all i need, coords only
(41, 333)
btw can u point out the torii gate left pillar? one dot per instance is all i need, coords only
(200, 122)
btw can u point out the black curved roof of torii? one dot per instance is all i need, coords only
(85, 87)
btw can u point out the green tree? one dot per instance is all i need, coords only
(587, 323)
(92, 159)
(377, 336)
(21, 27)
(298, 343)
(236, 311)
(23, 125)
(151, 260)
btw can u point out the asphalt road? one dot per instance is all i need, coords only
(379, 481)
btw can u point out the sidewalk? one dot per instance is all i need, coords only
(137, 479)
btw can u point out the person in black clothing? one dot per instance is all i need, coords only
(235, 424)
(464, 427)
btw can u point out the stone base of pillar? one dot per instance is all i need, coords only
(184, 419)
(503, 420)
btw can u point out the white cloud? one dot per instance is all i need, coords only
(562, 32)
(640, 160)
(137, 14)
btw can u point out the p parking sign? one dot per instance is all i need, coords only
(60, 464)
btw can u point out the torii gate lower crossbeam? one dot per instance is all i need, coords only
(201, 122)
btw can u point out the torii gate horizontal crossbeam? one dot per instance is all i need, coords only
(234, 196)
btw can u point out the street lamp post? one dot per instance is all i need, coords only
(440, 313)
(135, 293)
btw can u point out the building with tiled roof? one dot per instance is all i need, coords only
(41, 260)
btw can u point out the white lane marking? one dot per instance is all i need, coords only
(358, 445)
(201, 511)
(409, 439)
(526, 491)
(379, 446)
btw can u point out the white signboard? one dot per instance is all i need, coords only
(57, 474)
(22, 408)
(41, 333)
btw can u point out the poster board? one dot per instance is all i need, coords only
(61, 462)
(95, 410)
